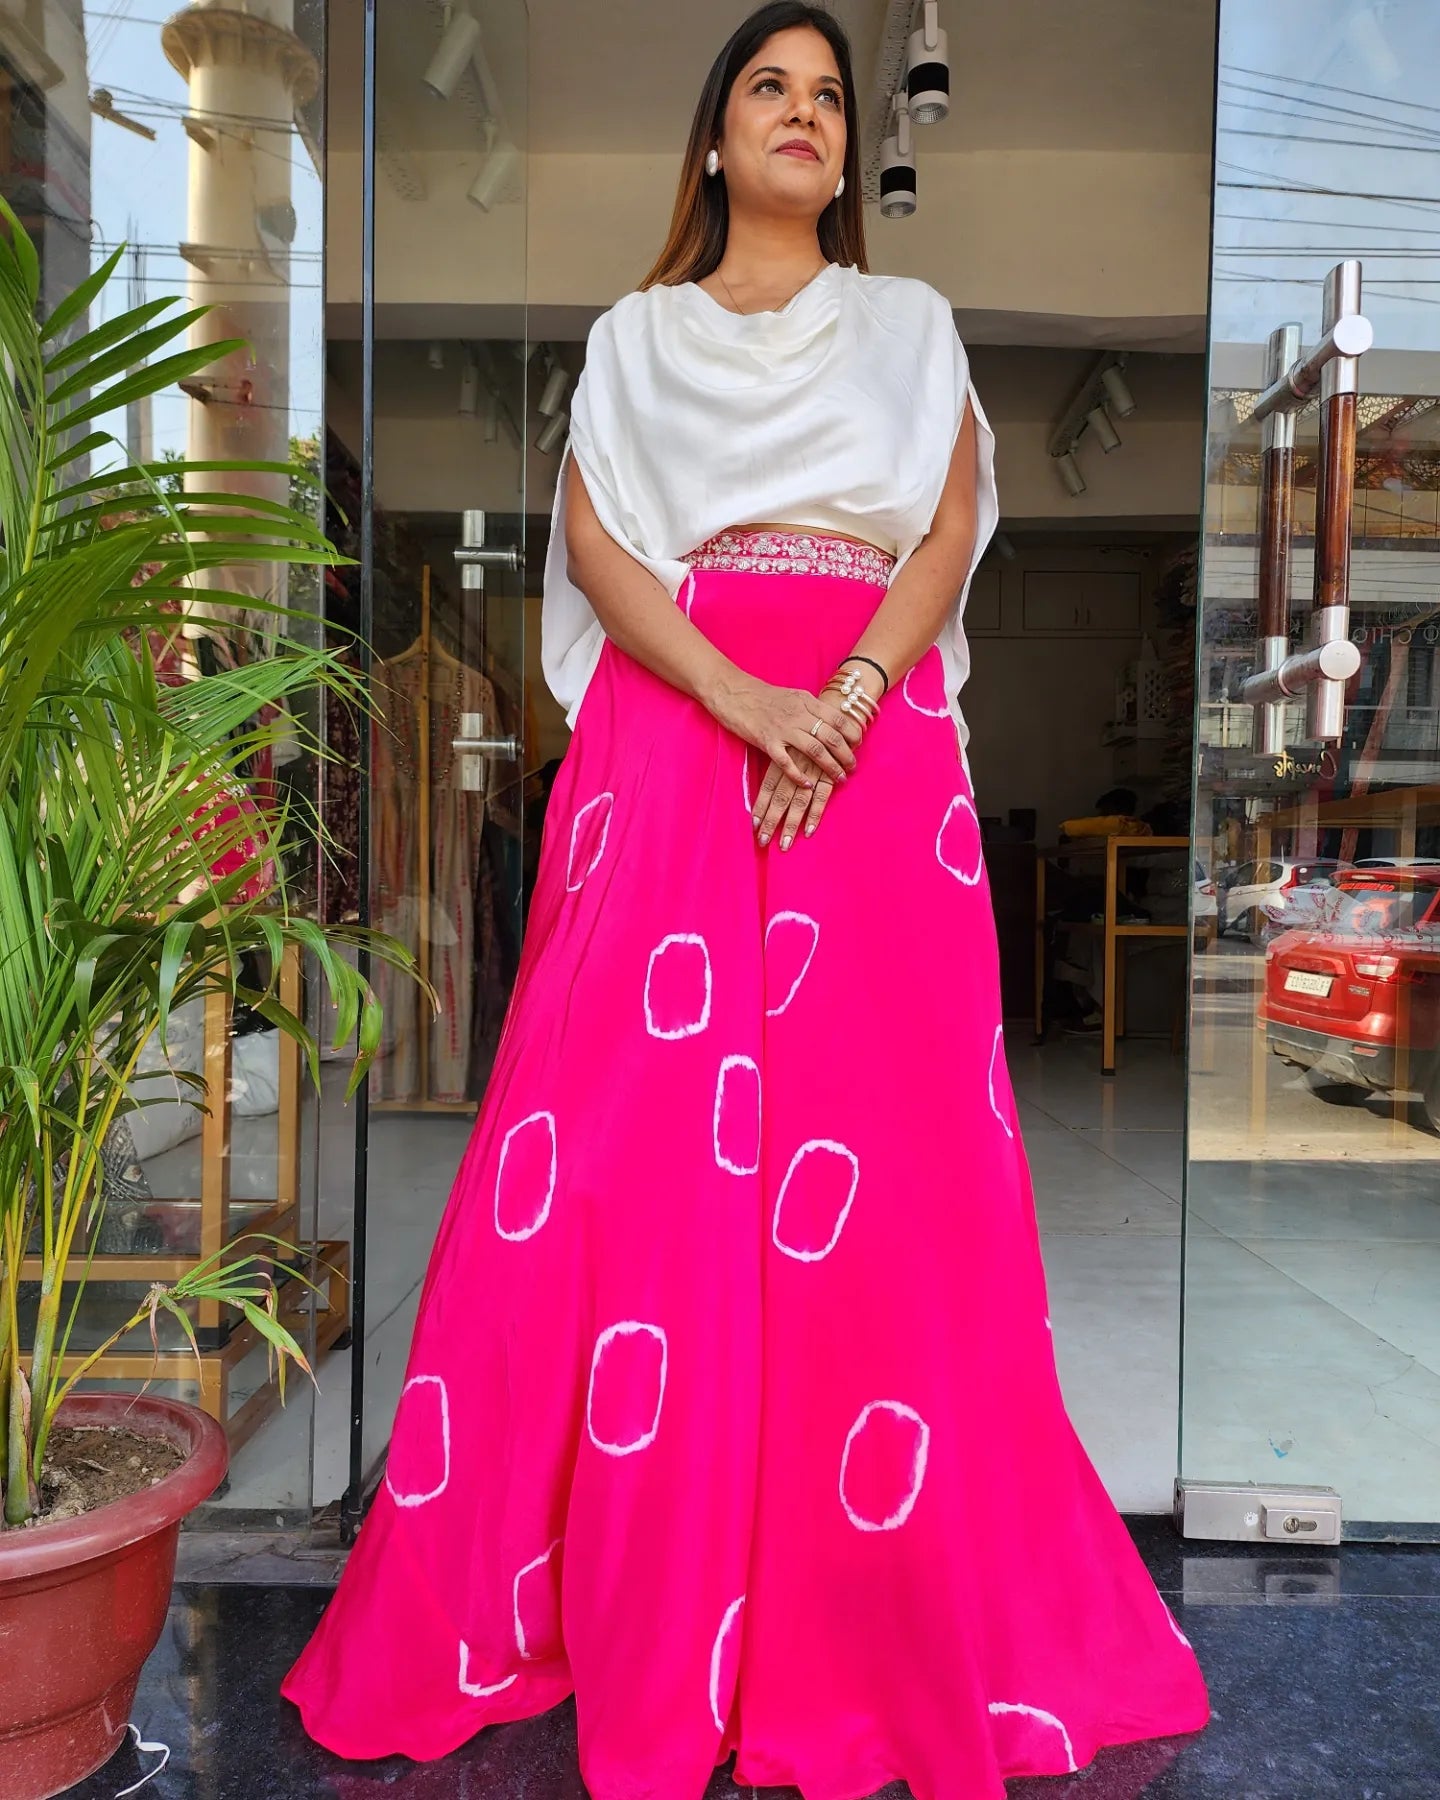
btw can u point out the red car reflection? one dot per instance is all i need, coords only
(1355, 994)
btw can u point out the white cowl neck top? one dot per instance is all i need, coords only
(839, 412)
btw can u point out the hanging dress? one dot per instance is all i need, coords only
(732, 1407)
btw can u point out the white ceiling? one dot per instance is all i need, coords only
(624, 75)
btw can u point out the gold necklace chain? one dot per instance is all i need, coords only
(741, 310)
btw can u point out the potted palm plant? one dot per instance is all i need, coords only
(137, 872)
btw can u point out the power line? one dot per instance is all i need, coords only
(1418, 252)
(1249, 279)
(1332, 224)
(1286, 187)
(1330, 106)
(1301, 137)
(1330, 88)
(1430, 142)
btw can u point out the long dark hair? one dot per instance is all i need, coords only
(701, 218)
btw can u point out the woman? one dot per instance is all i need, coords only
(732, 1407)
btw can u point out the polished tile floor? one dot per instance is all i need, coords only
(1321, 1672)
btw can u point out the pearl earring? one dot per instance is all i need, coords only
(712, 162)
(840, 187)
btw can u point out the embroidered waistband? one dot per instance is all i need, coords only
(791, 553)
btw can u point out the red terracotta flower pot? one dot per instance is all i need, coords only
(82, 1603)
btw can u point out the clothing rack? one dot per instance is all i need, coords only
(428, 651)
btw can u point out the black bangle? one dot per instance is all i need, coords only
(874, 665)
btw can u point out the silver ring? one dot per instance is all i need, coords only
(815, 728)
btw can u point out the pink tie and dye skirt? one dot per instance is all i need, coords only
(732, 1407)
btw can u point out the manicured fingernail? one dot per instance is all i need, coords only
(786, 841)
(764, 837)
(809, 831)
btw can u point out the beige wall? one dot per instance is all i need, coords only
(1075, 237)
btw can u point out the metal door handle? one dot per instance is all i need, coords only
(1321, 671)
(507, 557)
(474, 558)
(508, 747)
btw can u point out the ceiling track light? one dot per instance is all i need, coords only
(1070, 475)
(1118, 398)
(553, 432)
(898, 194)
(1099, 422)
(495, 172)
(452, 56)
(927, 79)
(1102, 391)
(552, 397)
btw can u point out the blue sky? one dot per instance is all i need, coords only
(138, 194)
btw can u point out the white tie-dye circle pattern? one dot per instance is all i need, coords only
(737, 1116)
(678, 986)
(417, 1466)
(537, 1607)
(1021, 1733)
(525, 1178)
(997, 1064)
(725, 1663)
(791, 939)
(628, 1373)
(589, 833)
(479, 1690)
(882, 1469)
(815, 1200)
(957, 843)
(909, 687)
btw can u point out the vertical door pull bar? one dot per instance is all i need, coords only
(1277, 524)
(1322, 670)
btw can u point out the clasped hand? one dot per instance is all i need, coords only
(806, 763)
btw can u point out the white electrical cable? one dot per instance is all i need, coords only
(144, 1749)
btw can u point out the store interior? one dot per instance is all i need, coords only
(518, 191)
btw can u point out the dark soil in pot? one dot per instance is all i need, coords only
(92, 1466)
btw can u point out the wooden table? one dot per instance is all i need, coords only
(1113, 850)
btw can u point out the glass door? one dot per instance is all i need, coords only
(1311, 1338)
(441, 379)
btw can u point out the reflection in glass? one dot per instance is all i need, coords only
(454, 750)
(194, 141)
(1312, 1250)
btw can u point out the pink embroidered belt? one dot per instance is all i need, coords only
(791, 553)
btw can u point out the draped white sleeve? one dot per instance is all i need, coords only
(953, 644)
(571, 636)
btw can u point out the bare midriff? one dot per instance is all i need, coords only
(809, 531)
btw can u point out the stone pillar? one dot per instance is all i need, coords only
(247, 72)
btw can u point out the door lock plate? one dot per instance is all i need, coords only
(1244, 1512)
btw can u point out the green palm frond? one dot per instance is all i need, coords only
(137, 871)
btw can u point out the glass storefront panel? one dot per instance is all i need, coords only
(1311, 1340)
(459, 405)
(195, 140)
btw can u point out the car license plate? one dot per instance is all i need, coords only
(1301, 981)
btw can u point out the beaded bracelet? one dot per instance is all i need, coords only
(854, 700)
(874, 665)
